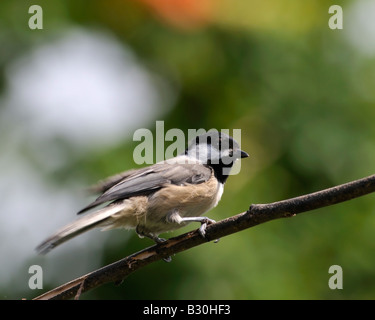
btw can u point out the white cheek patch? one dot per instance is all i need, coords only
(204, 152)
(226, 154)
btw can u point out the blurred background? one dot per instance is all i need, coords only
(73, 93)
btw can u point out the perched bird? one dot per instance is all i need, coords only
(162, 197)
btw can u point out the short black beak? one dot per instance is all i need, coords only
(244, 154)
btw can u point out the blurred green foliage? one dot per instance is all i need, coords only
(304, 103)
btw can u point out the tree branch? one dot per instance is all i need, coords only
(257, 214)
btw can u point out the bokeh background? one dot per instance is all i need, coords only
(73, 93)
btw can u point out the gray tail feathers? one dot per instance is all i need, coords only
(77, 227)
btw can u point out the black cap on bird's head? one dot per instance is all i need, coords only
(217, 150)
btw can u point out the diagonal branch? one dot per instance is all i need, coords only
(257, 214)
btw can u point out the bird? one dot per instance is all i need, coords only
(161, 197)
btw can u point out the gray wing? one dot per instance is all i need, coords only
(150, 179)
(103, 185)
